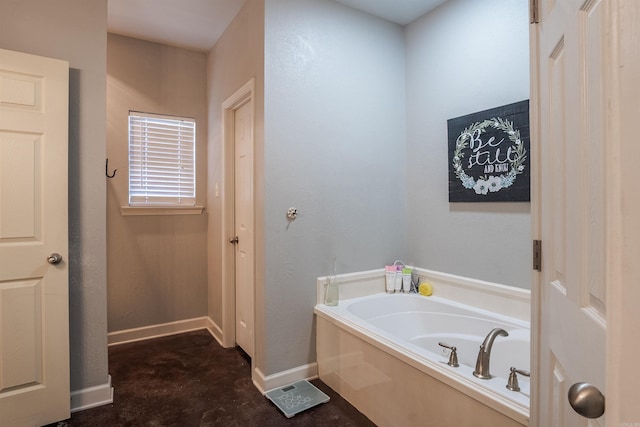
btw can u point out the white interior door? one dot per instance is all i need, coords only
(573, 203)
(34, 313)
(244, 224)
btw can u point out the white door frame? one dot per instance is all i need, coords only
(244, 95)
(536, 233)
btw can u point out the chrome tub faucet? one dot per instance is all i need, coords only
(484, 355)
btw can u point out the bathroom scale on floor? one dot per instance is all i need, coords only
(296, 397)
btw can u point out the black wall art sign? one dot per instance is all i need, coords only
(489, 155)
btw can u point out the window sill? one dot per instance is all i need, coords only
(161, 210)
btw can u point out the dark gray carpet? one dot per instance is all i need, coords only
(189, 380)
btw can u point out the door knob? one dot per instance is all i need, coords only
(586, 400)
(54, 258)
(234, 241)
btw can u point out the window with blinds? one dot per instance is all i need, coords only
(162, 152)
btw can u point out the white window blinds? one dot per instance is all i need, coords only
(161, 160)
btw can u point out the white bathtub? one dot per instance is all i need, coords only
(381, 353)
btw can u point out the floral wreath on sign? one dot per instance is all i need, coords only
(485, 184)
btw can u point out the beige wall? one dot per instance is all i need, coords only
(76, 31)
(237, 57)
(156, 264)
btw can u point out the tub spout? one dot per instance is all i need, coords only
(484, 355)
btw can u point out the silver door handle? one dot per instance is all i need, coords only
(586, 400)
(234, 240)
(54, 258)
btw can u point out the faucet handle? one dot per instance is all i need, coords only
(453, 356)
(512, 383)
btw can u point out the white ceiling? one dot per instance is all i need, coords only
(399, 11)
(197, 24)
(192, 24)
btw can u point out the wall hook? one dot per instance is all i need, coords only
(292, 214)
(106, 170)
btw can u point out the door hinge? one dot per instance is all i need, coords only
(534, 9)
(537, 255)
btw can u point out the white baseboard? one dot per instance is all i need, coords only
(215, 331)
(92, 397)
(164, 329)
(265, 383)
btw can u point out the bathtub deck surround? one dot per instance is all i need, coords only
(382, 352)
(496, 298)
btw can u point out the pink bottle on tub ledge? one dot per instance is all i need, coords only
(390, 278)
